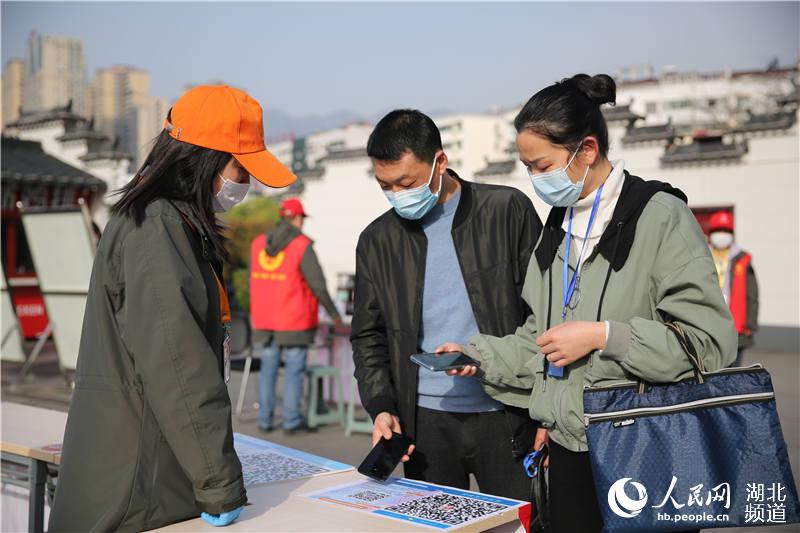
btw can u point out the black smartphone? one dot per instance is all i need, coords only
(444, 361)
(384, 456)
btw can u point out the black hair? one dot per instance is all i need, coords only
(569, 110)
(176, 170)
(401, 131)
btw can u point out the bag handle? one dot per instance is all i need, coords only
(540, 506)
(688, 348)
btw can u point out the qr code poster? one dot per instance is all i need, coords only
(424, 504)
(267, 462)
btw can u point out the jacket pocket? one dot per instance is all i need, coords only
(569, 412)
(541, 402)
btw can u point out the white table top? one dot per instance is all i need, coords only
(37, 433)
(282, 507)
(32, 431)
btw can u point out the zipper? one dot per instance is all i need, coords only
(669, 409)
(757, 367)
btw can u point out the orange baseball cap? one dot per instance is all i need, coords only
(228, 120)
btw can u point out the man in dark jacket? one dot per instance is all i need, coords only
(448, 260)
(286, 287)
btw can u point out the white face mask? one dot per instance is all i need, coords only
(721, 240)
(230, 194)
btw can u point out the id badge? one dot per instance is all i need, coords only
(226, 355)
(554, 371)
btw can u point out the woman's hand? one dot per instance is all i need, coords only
(569, 341)
(224, 519)
(466, 371)
(540, 440)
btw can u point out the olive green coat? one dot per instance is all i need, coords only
(149, 438)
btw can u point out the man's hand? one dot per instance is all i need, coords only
(542, 438)
(337, 321)
(569, 341)
(467, 371)
(383, 426)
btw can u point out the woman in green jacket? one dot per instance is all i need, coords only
(618, 258)
(149, 438)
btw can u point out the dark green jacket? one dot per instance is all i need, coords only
(149, 439)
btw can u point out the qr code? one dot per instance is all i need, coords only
(447, 508)
(369, 496)
(267, 467)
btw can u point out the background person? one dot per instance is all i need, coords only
(737, 279)
(286, 287)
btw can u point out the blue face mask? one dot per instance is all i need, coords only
(555, 187)
(414, 204)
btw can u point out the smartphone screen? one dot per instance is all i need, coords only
(384, 457)
(443, 361)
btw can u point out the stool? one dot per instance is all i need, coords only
(352, 424)
(313, 416)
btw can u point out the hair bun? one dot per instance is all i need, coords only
(600, 89)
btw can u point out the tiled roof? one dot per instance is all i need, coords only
(704, 150)
(26, 161)
(497, 168)
(29, 118)
(771, 121)
(620, 112)
(656, 132)
(342, 154)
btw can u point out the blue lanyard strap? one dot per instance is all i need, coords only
(569, 285)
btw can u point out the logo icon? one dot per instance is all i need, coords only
(621, 504)
(270, 263)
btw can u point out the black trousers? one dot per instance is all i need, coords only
(451, 446)
(573, 499)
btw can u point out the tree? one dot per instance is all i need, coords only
(245, 222)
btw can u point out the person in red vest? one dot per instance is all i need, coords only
(737, 279)
(286, 287)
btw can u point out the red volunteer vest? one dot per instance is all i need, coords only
(738, 302)
(280, 298)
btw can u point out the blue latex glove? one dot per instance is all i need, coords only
(223, 519)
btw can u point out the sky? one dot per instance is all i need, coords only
(321, 58)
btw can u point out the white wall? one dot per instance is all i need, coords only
(765, 193)
(764, 190)
(341, 204)
(469, 140)
(45, 134)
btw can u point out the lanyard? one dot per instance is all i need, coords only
(224, 303)
(570, 285)
(722, 270)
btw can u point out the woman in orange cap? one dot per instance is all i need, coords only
(149, 439)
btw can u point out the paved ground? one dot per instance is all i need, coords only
(46, 388)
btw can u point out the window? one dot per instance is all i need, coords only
(651, 107)
(680, 104)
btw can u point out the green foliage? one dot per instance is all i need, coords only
(245, 222)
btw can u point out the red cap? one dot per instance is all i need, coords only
(721, 221)
(291, 207)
